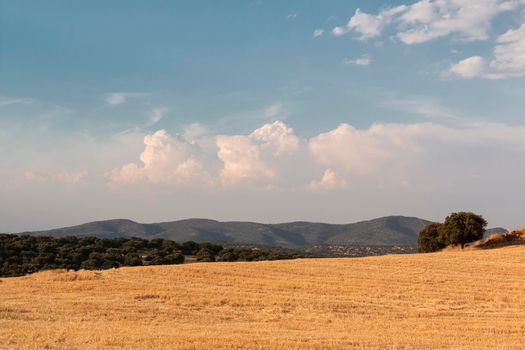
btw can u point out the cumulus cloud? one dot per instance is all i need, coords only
(165, 160)
(426, 20)
(469, 68)
(384, 154)
(329, 181)
(368, 26)
(467, 19)
(248, 159)
(364, 60)
(393, 152)
(361, 152)
(508, 59)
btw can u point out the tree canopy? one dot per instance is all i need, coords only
(458, 229)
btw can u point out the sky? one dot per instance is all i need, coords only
(263, 110)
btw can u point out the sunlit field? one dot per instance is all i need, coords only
(449, 300)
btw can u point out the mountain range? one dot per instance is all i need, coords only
(390, 230)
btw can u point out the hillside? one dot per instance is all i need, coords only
(391, 230)
(449, 300)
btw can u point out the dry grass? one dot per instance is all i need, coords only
(451, 300)
(497, 240)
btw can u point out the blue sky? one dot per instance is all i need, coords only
(260, 110)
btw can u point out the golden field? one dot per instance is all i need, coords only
(450, 300)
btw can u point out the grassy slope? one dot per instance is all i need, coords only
(448, 300)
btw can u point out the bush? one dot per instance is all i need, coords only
(429, 239)
(205, 255)
(132, 259)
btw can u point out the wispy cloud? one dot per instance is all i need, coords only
(318, 32)
(64, 177)
(421, 105)
(118, 98)
(8, 101)
(364, 60)
(155, 115)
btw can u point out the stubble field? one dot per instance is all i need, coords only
(447, 300)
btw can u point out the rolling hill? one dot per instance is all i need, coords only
(390, 230)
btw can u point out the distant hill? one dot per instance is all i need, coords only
(391, 230)
(498, 230)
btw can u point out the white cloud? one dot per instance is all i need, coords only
(317, 33)
(368, 26)
(329, 181)
(471, 67)
(466, 19)
(118, 98)
(508, 59)
(385, 152)
(291, 16)
(339, 31)
(361, 61)
(166, 160)
(248, 159)
(426, 20)
(380, 156)
(361, 152)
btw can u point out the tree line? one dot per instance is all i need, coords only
(20, 255)
(457, 229)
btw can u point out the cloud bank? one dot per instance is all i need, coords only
(384, 154)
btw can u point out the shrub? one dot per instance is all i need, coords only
(429, 239)
(132, 259)
(205, 255)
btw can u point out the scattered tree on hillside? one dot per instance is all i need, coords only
(429, 239)
(458, 229)
(463, 227)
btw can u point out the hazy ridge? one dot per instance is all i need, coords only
(390, 230)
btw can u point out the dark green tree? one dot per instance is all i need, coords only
(189, 248)
(461, 228)
(430, 239)
(205, 255)
(132, 259)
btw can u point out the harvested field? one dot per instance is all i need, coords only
(473, 299)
